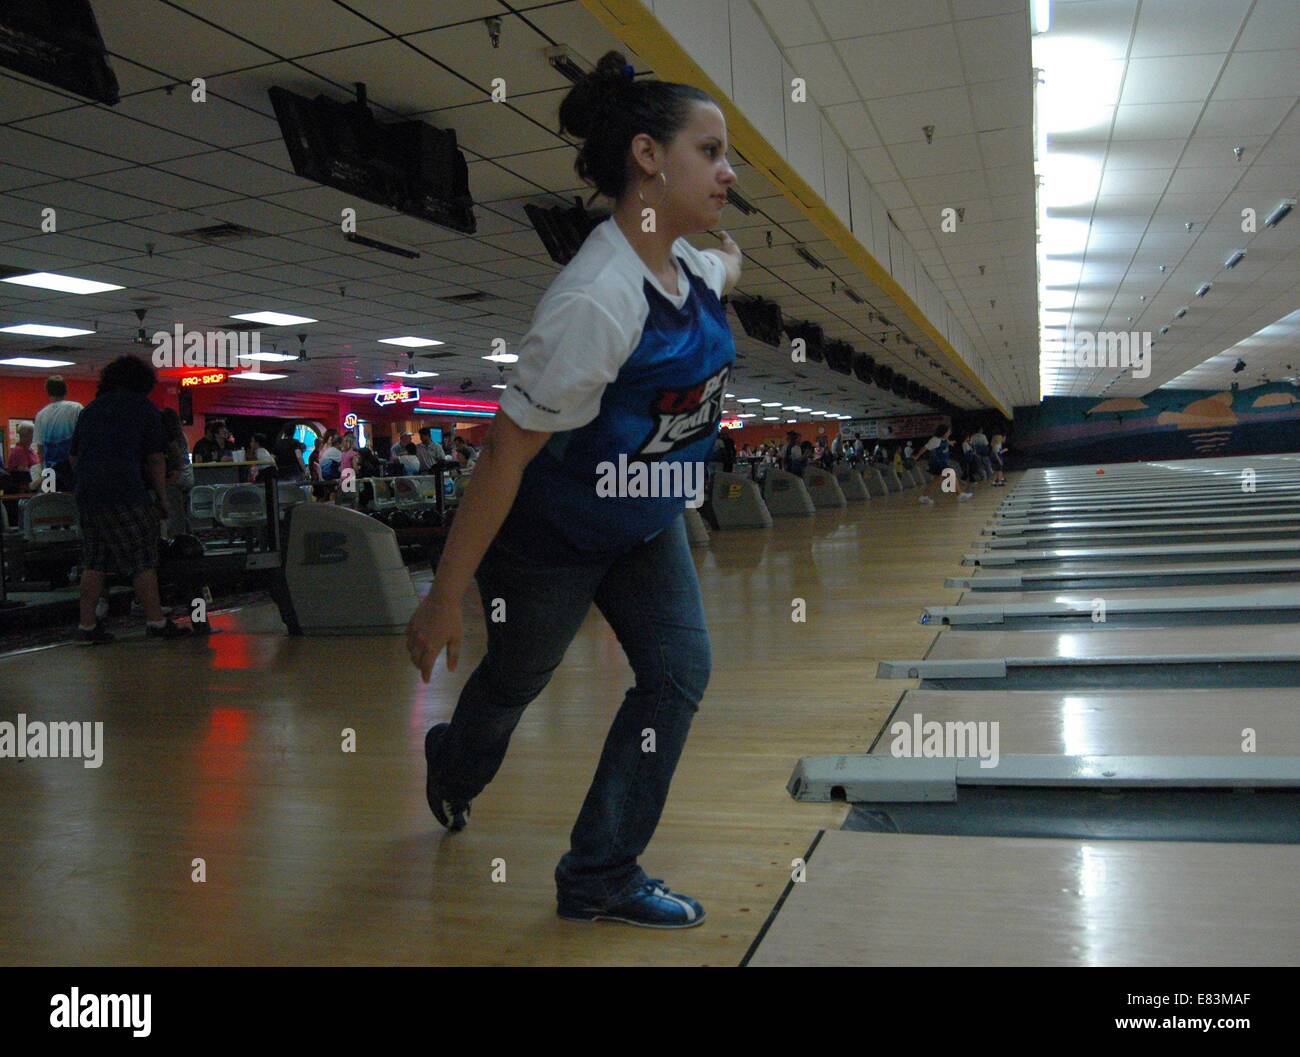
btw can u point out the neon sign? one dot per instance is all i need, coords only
(350, 420)
(403, 395)
(190, 381)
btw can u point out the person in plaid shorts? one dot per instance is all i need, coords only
(119, 437)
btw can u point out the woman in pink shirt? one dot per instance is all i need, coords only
(22, 457)
(349, 449)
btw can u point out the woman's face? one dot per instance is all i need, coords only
(698, 173)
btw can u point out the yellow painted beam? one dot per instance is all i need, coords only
(636, 26)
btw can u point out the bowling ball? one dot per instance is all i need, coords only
(400, 519)
(185, 546)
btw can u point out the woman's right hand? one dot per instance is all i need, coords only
(435, 624)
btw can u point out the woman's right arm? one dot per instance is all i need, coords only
(487, 500)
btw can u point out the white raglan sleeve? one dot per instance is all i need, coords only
(708, 266)
(573, 349)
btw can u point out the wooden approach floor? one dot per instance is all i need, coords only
(230, 750)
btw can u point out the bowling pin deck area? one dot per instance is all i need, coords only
(1132, 633)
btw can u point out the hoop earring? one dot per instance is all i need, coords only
(641, 194)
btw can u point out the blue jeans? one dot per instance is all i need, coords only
(650, 596)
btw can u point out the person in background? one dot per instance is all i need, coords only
(348, 456)
(859, 449)
(288, 459)
(117, 436)
(368, 464)
(909, 455)
(22, 457)
(408, 460)
(837, 448)
(790, 454)
(936, 452)
(429, 451)
(179, 472)
(899, 467)
(255, 452)
(231, 446)
(211, 447)
(53, 433)
(313, 457)
(980, 446)
(996, 449)
(464, 464)
(331, 458)
(728, 450)
(399, 449)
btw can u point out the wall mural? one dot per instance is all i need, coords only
(1164, 424)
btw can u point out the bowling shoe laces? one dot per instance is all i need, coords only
(454, 814)
(653, 906)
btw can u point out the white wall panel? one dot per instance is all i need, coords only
(835, 163)
(803, 134)
(704, 31)
(756, 72)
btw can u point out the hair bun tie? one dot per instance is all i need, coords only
(628, 72)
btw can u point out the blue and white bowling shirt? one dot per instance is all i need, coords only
(612, 365)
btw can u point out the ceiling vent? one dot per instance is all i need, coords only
(220, 234)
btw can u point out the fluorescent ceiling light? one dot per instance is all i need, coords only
(771, 418)
(361, 392)
(413, 374)
(258, 376)
(773, 403)
(728, 396)
(273, 319)
(817, 412)
(277, 357)
(789, 407)
(790, 420)
(498, 385)
(67, 284)
(747, 414)
(30, 361)
(43, 330)
(410, 343)
(748, 400)
(502, 357)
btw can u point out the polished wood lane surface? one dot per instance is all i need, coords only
(230, 751)
(885, 899)
(1238, 642)
(1119, 722)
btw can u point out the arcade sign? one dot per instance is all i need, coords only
(733, 423)
(404, 395)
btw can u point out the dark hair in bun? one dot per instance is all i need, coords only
(607, 108)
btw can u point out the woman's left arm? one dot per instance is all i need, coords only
(730, 255)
